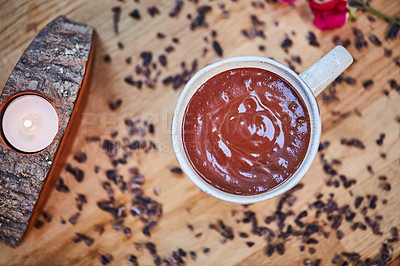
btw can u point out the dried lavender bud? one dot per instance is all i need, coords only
(339, 234)
(364, 211)
(92, 139)
(146, 230)
(270, 250)
(169, 48)
(353, 143)
(351, 256)
(224, 230)
(255, 21)
(204, 9)
(61, 187)
(393, 84)
(358, 33)
(198, 21)
(382, 178)
(107, 58)
(76, 172)
(395, 235)
(151, 248)
(372, 203)
(176, 170)
(312, 229)
(104, 260)
(393, 32)
(380, 140)
(243, 235)
(115, 105)
(38, 223)
(286, 43)
(47, 217)
(74, 218)
(309, 262)
(387, 187)
(107, 207)
(280, 248)
(153, 11)
(160, 35)
(117, 13)
(346, 43)
(157, 261)
(146, 56)
(397, 62)
(323, 145)
(112, 175)
(301, 215)
(311, 241)
(328, 169)
(163, 60)
(388, 52)
(88, 240)
(151, 128)
(182, 253)
(370, 170)
(358, 201)
(296, 59)
(336, 259)
(167, 80)
(133, 259)
(120, 45)
(368, 83)
(80, 157)
(127, 231)
(217, 48)
(350, 80)
(312, 39)
(193, 255)
(176, 8)
(375, 40)
(135, 14)
(336, 40)
(250, 244)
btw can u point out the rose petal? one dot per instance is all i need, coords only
(329, 15)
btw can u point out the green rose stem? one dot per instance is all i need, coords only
(376, 12)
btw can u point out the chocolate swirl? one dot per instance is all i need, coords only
(246, 131)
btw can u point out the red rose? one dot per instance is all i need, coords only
(329, 15)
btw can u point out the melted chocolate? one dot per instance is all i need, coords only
(246, 131)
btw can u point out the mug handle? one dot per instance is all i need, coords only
(327, 69)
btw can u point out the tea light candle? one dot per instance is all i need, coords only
(30, 123)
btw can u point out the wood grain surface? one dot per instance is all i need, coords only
(360, 113)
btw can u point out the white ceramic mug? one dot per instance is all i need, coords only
(308, 84)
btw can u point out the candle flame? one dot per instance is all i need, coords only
(27, 123)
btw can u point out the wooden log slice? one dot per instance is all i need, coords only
(54, 66)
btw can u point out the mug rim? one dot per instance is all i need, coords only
(215, 68)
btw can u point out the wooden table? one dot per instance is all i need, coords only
(360, 113)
